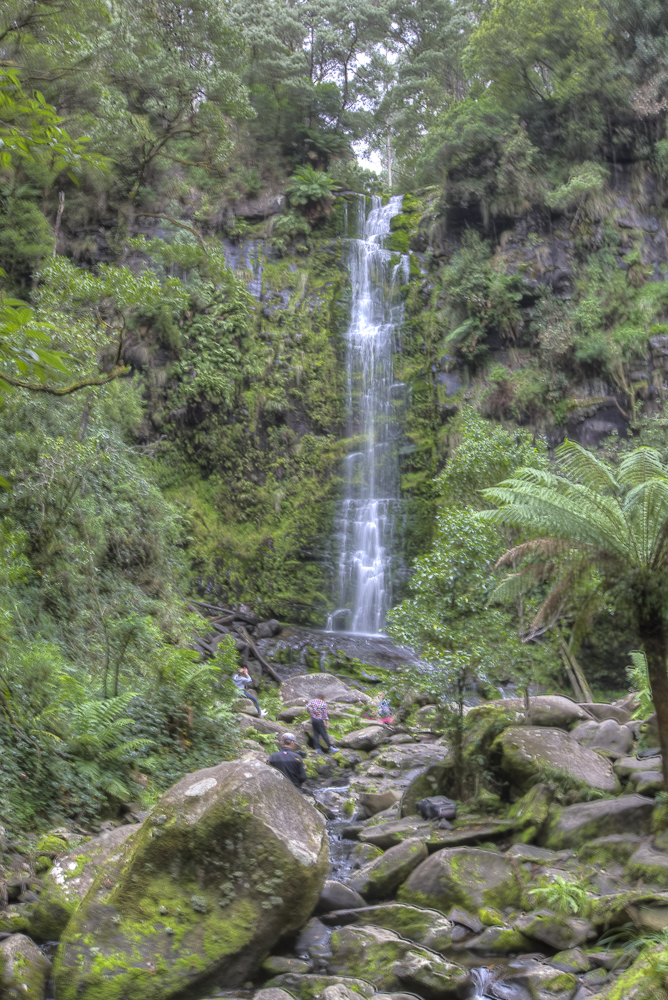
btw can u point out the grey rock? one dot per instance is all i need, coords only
(601, 711)
(426, 927)
(70, 878)
(527, 753)
(529, 852)
(337, 896)
(272, 994)
(466, 877)
(572, 960)
(364, 739)
(581, 823)
(24, 970)
(548, 710)
(607, 735)
(311, 987)
(239, 844)
(304, 687)
(274, 965)
(627, 766)
(555, 930)
(375, 802)
(380, 878)
(647, 782)
(313, 942)
(390, 963)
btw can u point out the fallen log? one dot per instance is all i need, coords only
(258, 655)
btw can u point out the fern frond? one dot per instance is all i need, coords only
(586, 467)
(548, 548)
(515, 584)
(646, 508)
(640, 465)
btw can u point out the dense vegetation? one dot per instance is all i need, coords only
(173, 423)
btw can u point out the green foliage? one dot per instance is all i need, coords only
(599, 528)
(562, 896)
(639, 681)
(309, 188)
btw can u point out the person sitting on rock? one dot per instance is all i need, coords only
(288, 761)
(317, 709)
(243, 681)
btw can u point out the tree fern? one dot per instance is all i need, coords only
(615, 522)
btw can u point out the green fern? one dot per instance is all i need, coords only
(639, 680)
(561, 896)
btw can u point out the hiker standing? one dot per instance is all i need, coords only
(243, 681)
(288, 760)
(317, 709)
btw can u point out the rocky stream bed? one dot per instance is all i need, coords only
(236, 883)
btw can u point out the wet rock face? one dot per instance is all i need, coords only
(466, 877)
(231, 858)
(527, 753)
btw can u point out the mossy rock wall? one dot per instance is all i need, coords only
(231, 858)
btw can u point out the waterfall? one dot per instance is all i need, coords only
(367, 515)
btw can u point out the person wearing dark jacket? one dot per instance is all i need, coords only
(288, 761)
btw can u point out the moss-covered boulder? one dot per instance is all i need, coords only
(70, 879)
(380, 878)
(576, 825)
(498, 941)
(618, 847)
(555, 930)
(426, 927)
(391, 963)
(528, 754)
(530, 812)
(231, 858)
(649, 865)
(24, 970)
(466, 877)
(542, 982)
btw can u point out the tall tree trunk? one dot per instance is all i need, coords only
(655, 650)
(652, 628)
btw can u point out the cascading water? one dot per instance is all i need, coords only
(369, 511)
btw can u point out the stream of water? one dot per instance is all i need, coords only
(370, 511)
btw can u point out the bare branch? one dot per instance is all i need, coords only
(64, 390)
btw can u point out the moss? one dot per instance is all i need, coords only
(637, 983)
(184, 899)
(603, 850)
(490, 918)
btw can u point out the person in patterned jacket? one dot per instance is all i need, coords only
(317, 709)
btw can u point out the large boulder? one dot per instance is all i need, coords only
(364, 739)
(466, 877)
(426, 927)
(607, 735)
(547, 710)
(530, 753)
(626, 766)
(24, 970)
(555, 930)
(380, 878)
(337, 896)
(231, 858)
(649, 865)
(391, 963)
(302, 688)
(577, 825)
(375, 802)
(70, 878)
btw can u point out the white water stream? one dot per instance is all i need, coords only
(368, 514)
